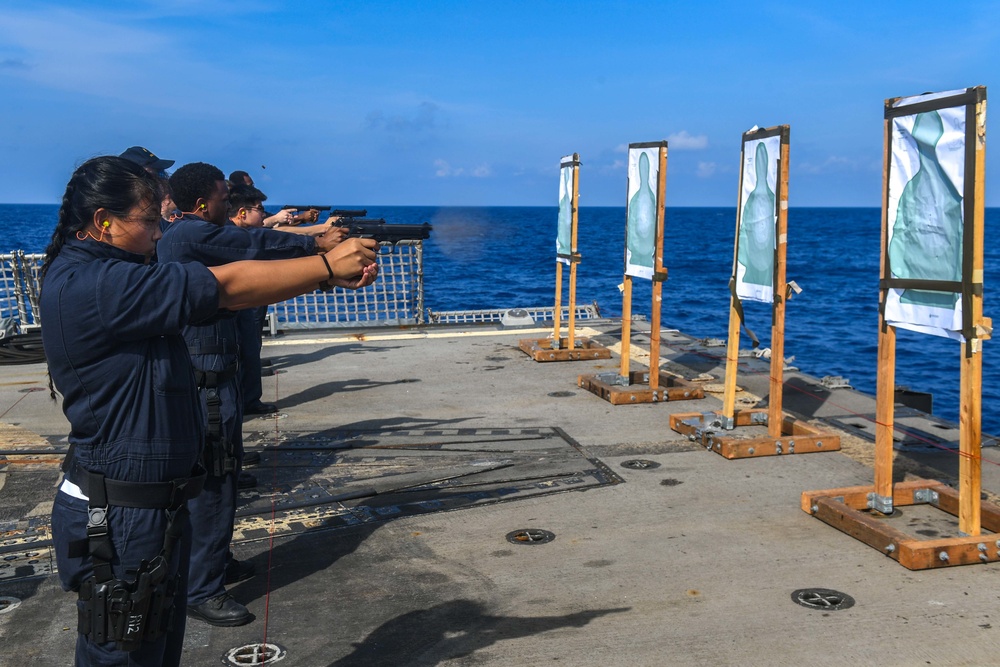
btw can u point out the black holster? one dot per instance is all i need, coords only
(129, 612)
(218, 456)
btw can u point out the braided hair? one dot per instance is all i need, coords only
(112, 183)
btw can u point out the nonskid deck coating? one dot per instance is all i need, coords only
(690, 563)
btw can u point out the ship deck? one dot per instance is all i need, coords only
(401, 459)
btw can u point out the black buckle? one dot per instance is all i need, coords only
(177, 495)
(97, 518)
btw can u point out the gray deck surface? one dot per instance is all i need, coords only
(449, 438)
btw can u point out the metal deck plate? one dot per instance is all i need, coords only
(344, 478)
(340, 479)
(913, 430)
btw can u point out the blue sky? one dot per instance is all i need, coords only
(473, 103)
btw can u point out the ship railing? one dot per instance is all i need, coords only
(538, 314)
(396, 298)
(19, 292)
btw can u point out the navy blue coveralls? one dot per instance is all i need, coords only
(215, 348)
(250, 323)
(111, 327)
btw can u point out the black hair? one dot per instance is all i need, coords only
(109, 182)
(244, 196)
(236, 178)
(192, 182)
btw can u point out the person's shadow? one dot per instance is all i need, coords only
(299, 555)
(326, 389)
(449, 630)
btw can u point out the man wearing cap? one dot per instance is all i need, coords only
(157, 167)
(205, 234)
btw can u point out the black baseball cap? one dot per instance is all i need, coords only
(147, 159)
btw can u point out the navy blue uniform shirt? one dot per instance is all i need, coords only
(111, 327)
(191, 239)
(215, 346)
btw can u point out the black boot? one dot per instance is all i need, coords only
(222, 611)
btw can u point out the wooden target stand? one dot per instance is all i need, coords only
(718, 431)
(569, 348)
(634, 387)
(860, 511)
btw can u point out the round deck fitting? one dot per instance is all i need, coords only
(254, 654)
(530, 536)
(640, 464)
(822, 598)
(8, 604)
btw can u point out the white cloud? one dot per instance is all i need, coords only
(422, 119)
(71, 51)
(684, 141)
(621, 148)
(837, 163)
(618, 164)
(443, 169)
(706, 169)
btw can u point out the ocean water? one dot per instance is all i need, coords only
(504, 257)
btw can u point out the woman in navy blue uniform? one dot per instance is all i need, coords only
(111, 323)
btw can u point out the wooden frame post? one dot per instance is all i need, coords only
(557, 310)
(885, 383)
(659, 273)
(626, 349)
(780, 296)
(971, 383)
(733, 341)
(574, 204)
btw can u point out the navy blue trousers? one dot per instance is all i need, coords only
(249, 323)
(137, 534)
(212, 514)
(213, 511)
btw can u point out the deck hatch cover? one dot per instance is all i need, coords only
(530, 536)
(822, 598)
(254, 654)
(640, 464)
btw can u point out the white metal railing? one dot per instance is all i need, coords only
(397, 297)
(541, 313)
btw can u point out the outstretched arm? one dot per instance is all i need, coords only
(257, 283)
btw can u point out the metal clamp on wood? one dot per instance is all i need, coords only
(791, 289)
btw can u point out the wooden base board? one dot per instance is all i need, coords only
(541, 349)
(845, 509)
(796, 437)
(670, 388)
